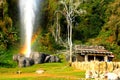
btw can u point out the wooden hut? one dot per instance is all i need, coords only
(89, 53)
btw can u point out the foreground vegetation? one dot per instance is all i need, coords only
(53, 71)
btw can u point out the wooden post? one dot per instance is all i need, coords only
(105, 58)
(94, 57)
(106, 66)
(86, 58)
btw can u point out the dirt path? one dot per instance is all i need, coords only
(35, 75)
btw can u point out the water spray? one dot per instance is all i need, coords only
(28, 9)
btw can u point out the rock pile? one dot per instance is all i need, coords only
(114, 75)
(35, 58)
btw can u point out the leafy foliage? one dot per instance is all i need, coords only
(110, 33)
(8, 36)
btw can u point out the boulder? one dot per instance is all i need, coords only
(57, 59)
(43, 56)
(29, 61)
(112, 76)
(16, 57)
(38, 57)
(22, 62)
(54, 59)
(117, 71)
(35, 58)
(47, 59)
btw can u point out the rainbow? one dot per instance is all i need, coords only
(28, 11)
(24, 48)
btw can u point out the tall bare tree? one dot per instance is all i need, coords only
(70, 9)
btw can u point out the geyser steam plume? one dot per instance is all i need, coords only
(28, 10)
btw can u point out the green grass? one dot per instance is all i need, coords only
(56, 71)
(38, 78)
(53, 71)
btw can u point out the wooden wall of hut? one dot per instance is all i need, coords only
(80, 58)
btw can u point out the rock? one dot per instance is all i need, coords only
(38, 57)
(91, 74)
(43, 56)
(88, 74)
(35, 58)
(18, 72)
(112, 76)
(117, 71)
(29, 61)
(40, 71)
(47, 59)
(52, 58)
(57, 59)
(22, 62)
(16, 57)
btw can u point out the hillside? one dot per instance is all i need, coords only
(109, 35)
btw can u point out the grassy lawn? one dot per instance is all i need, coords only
(53, 71)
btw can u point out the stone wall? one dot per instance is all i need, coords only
(96, 66)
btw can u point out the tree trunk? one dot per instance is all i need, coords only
(70, 42)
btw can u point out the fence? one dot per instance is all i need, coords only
(100, 67)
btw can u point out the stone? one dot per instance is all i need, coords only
(18, 72)
(38, 57)
(43, 56)
(57, 59)
(40, 71)
(16, 57)
(112, 76)
(29, 61)
(22, 62)
(91, 74)
(52, 58)
(117, 71)
(35, 58)
(47, 59)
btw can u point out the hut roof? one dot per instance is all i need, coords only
(91, 49)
